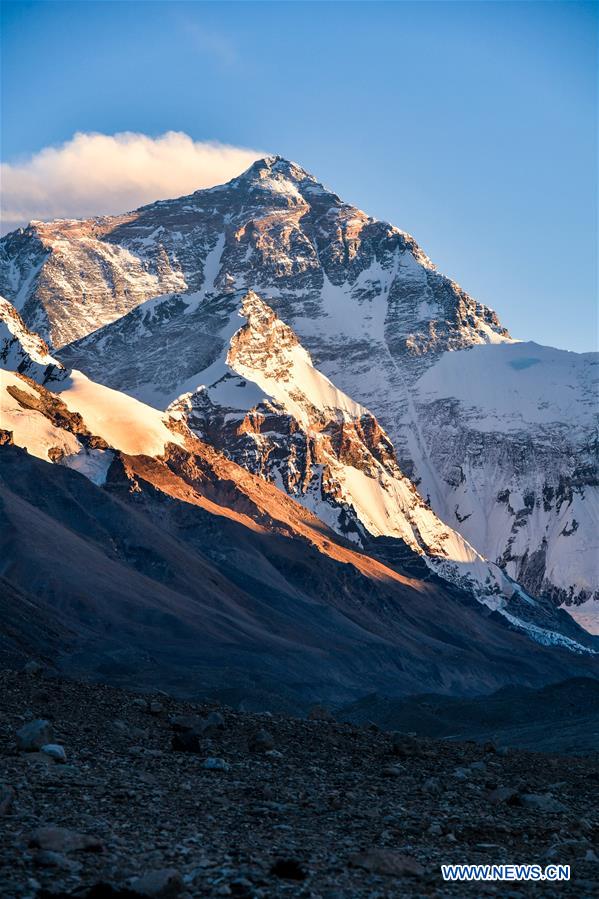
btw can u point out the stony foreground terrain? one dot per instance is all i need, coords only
(159, 797)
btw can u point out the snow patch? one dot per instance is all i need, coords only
(509, 386)
(125, 423)
(93, 463)
(30, 429)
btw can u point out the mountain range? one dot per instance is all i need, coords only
(269, 446)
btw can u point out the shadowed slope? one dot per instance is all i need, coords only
(169, 591)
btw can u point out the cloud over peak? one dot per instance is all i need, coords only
(100, 174)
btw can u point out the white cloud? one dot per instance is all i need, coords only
(97, 174)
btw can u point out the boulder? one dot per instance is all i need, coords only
(62, 839)
(33, 735)
(55, 751)
(542, 802)
(33, 668)
(387, 861)
(262, 741)
(215, 764)
(163, 884)
(7, 797)
(185, 741)
(288, 869)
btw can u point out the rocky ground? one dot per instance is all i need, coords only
(159, 797)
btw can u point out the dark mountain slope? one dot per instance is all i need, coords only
(27, 626)
(162, 587)
(562, 717)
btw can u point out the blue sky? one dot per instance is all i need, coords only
(471, 125)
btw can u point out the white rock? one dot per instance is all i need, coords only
(55, 751)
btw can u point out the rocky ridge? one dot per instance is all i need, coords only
(23, 351)
(266, 407)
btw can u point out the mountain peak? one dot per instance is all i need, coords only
(277, 175)
(276, 165)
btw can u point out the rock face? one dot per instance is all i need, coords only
(34, 735)
(499, 436)
(293, 227)
(188, 570)
(270, 410)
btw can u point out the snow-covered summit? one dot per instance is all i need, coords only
(277, 229)
(277, 174)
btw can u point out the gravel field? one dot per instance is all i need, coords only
(164, 798)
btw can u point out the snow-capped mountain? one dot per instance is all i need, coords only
(499, 437)
(156, 560)
(289, 425)
(265, 405)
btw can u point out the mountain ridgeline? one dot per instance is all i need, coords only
(334, 437)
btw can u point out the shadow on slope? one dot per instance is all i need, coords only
(164, 587)
(561, 717)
